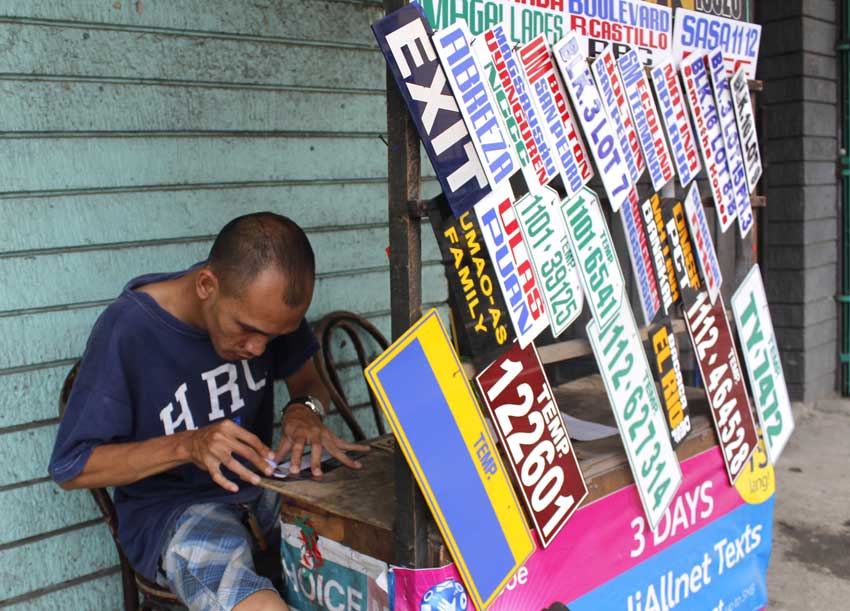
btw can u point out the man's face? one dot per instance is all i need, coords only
(241, 324)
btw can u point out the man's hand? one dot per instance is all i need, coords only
(214, 446)
(301, 427)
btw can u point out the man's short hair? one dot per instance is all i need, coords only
(249, 244)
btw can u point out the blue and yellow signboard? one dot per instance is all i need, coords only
(427, 400)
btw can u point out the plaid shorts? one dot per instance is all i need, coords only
(208, 562)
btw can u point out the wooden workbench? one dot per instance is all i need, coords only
(357, 508)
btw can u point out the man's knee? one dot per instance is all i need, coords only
(264, 600)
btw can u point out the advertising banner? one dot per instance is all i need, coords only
(623, 24)
(630, 386)
(746, 128)
(710, 137)
(723, 96)
(469, 85)
(598, 128)
(664, 356)
(596, 259)
(674, 118)
(665, 271)
(323, 575)
(710, 553)
(404, 37)
(724, 382)
(640, 257)
(481, 315)
(646, 120)
(551, 257)
(607, 77)
(697, 33)
(527, 420)
(509, 255)
(561, 129)
(427, 400)
(761, 354)
(519, 97)
(701, 237)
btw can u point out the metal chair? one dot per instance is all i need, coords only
(154, 597)
(355, 328)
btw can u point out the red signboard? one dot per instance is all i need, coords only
(527, 420)
(724, 382)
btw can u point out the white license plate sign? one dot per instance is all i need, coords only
(598, 129)
(561, 129)
(696, 33)
(596, 260)
(710, 136)
(724, 382)
(541, 225)
(640, 418)
(746, 128)
(674, 118)
(641, 258)
(532, 431)
(519, 96)
(701, 237)
(668, 289)
(623, 24)
(509, 254)
(761, 354)
(647, 120)
(723, 96)
(605, 73)
(468, 82)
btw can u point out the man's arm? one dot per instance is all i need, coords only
(301, 427)
(209, 448)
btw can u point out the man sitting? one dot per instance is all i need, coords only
(173, 404)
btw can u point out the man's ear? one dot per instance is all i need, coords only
(207, 284)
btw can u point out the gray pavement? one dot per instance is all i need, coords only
(810, 564)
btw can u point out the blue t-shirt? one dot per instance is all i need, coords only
(146, 374)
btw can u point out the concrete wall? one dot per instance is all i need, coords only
(131, 132)
(800, 103)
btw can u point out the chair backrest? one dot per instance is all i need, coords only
(328, 363)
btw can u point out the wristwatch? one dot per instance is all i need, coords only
(314, 404)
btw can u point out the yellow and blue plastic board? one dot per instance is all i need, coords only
(427, 400)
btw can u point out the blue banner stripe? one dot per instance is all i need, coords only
(423, 412)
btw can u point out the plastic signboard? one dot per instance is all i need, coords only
(561, 130)
(552, 260)
(664, 356)
(710, 137)
(733, 9)
(761, 355)
(519, 97)
(682, 249)
(668, 288)
(532, 431)
(709, 553)
(746, 127)
(427, 400)
(596, 259)
(646, 120)
(469, 85)
(701, 237)
(724, 382)
(606, 75)
(723, 97)
(599, 130)
(623, 24)
(404, 37)
(523, 21)
(640, 418)
(481, 314)
(509, 253)
(640, 257)
(697, 33)
(674, 118)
